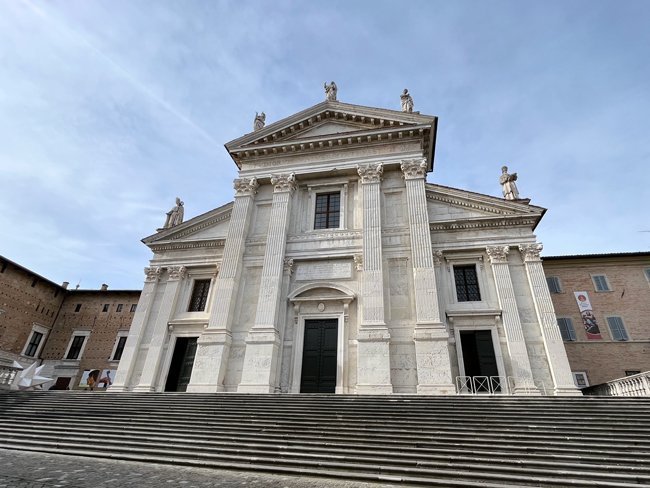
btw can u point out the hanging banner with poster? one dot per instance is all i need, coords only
(587, 314)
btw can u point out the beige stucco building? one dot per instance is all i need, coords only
(338, 268)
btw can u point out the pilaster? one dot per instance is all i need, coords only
(213, 347)
(140, 318)
(430, 334)
(150, 372)
(373, 375)
(558, 362)
(263, 341)
(521, 370)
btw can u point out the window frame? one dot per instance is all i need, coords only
(570, 329)
(77, 333)
(330, 215)
(625, 337)
(340, 186)
(134, 308)
(119, 307)
(595, 283)
(478, 281)
(41, 329)
(207, 294)
(575, 374)
(557, 284)
(120, 334)
(106, 307)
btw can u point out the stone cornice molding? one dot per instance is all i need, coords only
(531, 252)
(153, 273)
(468, 204)
(370, 173)
(283, 183)
(176, 272)
(319, 236)
(245, 186)
(201, 244)
(498, 254)
(414, 168)
(482, 223)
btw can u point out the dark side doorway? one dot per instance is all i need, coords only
(180, 370)
(319, 356)
(478, 353)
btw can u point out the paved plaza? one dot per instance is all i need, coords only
(23, 469)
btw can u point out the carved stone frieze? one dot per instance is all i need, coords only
(370, 173)
(531, 252)
(245, 186)
(358, 262)
(177, 272)
(283, 182)
(288, 266)
(437, 256)
(414, 168)
(498, 254)
(153, 273)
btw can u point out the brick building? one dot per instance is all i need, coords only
(71, 332)
(617, 286)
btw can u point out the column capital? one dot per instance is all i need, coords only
(370, 173)
(177, 272)
(437, 256)
(153, 273)
(245, 186)
(288, 266)
(531, 252)
(414, 168)
(498, 254)
(358, 262)
(283, 183)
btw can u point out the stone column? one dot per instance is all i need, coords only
(150, 370)
(430, 334)
(263, 340)
(140, 318)
(373, 352)
(213, 346)
(521, 370)
(558, 362)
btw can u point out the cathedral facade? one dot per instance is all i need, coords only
(337, 268)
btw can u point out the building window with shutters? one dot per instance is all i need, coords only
(33, 344)
(617, 328)
(328, 211)
(466, 279)
(118, 348)
(566, 329)
(76, 345)
(553, 284)
(199, 296)
(601, 283)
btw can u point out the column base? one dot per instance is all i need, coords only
(260, 359)
(212, 351)
(445, 389)
(143, 389)
(374, 389)
(567, 392)
(117, 388)
(261, 388)
(373, 361)
(432, 360)
(203, 388)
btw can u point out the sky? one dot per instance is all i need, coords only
(110, 109)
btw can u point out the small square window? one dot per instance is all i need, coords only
(553, 284)
(328, 211)
(467, 289)
(601, 283)
(617, 329)
(105, 308)
(34, 281)
(34, 342)
(566, 329)
(580, 379)
(77, 307)
(119, 308)
(199, 296)
(133, 307)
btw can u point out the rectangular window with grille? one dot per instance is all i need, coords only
(553, 284)
(601, 283)
(133, 307)
(617, 328)
(566, 329)
(34, 342)
(328, 211)
(119, 349)
(75, 347)
(199, 296)
(467, 289)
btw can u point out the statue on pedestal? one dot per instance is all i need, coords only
(330, 91)
(510, 191)
(407, 101)
(175, 215)
(260, 120)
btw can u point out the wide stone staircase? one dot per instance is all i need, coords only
(415, 440)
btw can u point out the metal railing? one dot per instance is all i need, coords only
(476, 385)
(635, 385)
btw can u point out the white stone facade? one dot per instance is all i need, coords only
(384, 275)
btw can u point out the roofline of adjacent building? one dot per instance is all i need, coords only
(30, 272)
(635, 254)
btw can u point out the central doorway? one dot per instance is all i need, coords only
(319, 356)
(180, 370)
(478, 355)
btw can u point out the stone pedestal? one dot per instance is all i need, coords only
(521, 370)
(263, 341)
(373, 361)
(558, 362)
(212, 352)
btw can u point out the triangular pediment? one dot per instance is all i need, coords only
(209, 227)
(458, 208)
(329, 128)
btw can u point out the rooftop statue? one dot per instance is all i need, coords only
(260, 120)
(407, 101)
(175, 215)
(330, 91)
(510, 191)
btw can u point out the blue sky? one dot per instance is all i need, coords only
(111, 109)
